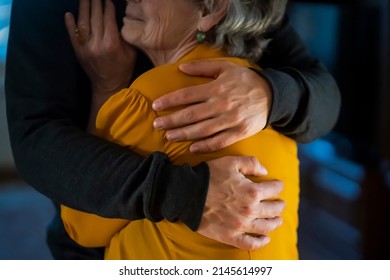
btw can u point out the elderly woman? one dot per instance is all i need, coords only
(171, 32)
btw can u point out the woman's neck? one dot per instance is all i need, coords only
(168, 56)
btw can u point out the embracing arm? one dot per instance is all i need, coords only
(47, 110)
(294, 93)
(306, 98)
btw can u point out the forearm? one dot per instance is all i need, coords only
(88, 174)
(306, 98)
(91, 125)
(47, 114)
(305, 106)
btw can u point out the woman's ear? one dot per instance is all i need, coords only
(211, 18)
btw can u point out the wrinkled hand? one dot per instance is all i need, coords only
(240, 212)
(105, 57)
(230, 108)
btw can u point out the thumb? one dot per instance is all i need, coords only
(250, 166)
(205, 68)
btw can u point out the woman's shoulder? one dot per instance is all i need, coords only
(164, 79)
(167, 78)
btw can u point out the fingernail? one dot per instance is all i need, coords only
(263, 170)
(157, 105)
(184, 65)
(171, 136)
(158, 123)
(194, 149)
(266, 240)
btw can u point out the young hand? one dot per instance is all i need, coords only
(232, 107)
(238, 211)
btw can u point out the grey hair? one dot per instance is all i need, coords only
(242, 31)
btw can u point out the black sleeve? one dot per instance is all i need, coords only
(48, 99)
(306, 98)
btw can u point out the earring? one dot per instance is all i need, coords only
(200, 36)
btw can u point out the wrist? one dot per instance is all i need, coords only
(266, 89)
(288, 94)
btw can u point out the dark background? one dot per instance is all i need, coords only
(345, 175)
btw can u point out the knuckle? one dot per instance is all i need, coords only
(253, 161)
(240, 241)
(189, 115)
(225, 105)
(94, 50)
(218, 89)
(232, 161)
(235, 242)
(243, 129)
(204, 131)
(253, 194)
(247, 211)
(239, 115)
(218, 145)
(238, 224)
(234, 116)
(261, 212)
(210, 148)
(168, 122)
(184, 96)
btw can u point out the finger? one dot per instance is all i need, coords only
(201, 130)
(185, 116)
(248, 165)
(269, 189)
(83, 21)
(215, 143)
(249, 242)
(97, 28)
(185, 96)
(205, 68)
(265, 226)
(71, 27)
(109, 19)
(269, 209)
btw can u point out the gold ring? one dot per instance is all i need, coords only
(79, 36)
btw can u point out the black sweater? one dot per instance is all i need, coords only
(48, 107)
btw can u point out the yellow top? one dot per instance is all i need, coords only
(127, 119)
